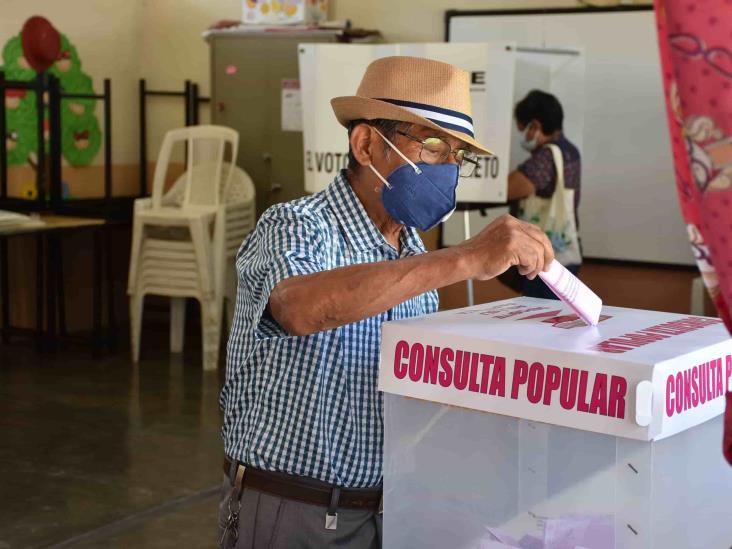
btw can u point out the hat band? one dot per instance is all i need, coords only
(445, 118)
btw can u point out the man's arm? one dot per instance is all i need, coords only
(311, 303)
(519, 186)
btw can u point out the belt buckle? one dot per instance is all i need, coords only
(331, 521)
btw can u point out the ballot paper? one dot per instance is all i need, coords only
(574, 531)
(573, 292)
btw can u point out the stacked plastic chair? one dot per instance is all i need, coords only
(184, 241)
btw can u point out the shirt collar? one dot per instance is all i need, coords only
(357, 226)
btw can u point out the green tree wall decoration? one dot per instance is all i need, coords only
(81, 136)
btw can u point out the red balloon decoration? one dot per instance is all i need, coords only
(41, 43)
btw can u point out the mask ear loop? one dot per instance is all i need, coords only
(384, 181)
(400, 153)
(526, 132)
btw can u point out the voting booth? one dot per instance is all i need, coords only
(332, 70)
(513, 424)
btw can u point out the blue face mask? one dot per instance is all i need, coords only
(419, 195)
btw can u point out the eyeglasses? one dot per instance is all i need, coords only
(436, 150)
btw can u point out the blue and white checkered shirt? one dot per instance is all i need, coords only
(309, 405)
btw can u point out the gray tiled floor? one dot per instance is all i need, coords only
(103, 453)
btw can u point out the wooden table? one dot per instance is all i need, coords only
(50, 301)
(45, 223)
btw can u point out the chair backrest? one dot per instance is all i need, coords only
(205, 148)
(241, 211)
(240, 187)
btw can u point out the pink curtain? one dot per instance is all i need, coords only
(695, 41)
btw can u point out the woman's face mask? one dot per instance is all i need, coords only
(419, 195)
(527, 144)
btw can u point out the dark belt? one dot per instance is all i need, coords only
(304, 489)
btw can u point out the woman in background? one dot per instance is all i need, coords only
(539, 116)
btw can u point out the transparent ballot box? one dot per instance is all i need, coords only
(458, 478)
(513, 424)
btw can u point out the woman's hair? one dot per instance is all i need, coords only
(541, 106)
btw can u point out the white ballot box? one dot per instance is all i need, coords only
(513, 424)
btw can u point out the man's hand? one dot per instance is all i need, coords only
(504, 243)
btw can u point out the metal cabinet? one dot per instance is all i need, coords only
(247, 71)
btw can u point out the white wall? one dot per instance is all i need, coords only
(174, 51)
(160, 40)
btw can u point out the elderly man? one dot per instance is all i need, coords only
(303, 418)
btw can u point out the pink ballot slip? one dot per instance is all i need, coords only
(573, 292)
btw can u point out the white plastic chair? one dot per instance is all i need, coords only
(184, 241)
(698, 291)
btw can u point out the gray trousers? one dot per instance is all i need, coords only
(273, 522)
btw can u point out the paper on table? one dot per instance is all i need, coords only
(573, 292)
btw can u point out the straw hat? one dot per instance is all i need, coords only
(416, 90)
